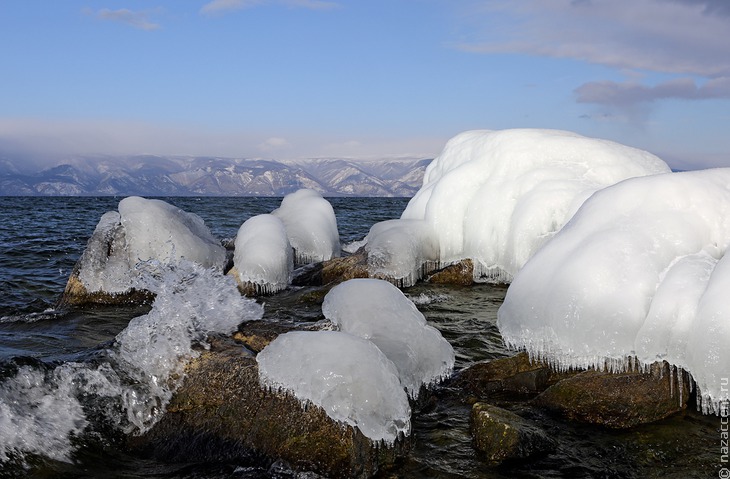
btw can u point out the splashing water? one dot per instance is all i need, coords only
(41, 411)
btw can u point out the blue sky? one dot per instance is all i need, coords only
(303, 78)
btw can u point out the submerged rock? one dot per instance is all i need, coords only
(221, 413)
(461, 274)
(507, 377)
(501, 435)
(618, 400)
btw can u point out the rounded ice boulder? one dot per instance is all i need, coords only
(641, 271)
(376, 310)
(262, 260)
(142, 231)
(496, 196)
(347, 376)
(311, 226)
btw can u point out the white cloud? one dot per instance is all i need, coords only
(671, 36)
(217, 7)
(274, 144)
(140, 20)
(632, 93)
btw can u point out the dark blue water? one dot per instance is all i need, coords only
(41, 238)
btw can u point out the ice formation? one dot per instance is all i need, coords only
(41, 410)
(311, 226)
(496, 196)
(641, 270)
(376, 310)
(263, 256)
(190, 303)
(144, 230)
(402, 250)
(349, 377)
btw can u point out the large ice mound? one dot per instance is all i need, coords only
(496, 196)
(378, 311)
(144, 230)
(263, 256)
(402, 251)
(641, 270)
(349, 377)
(311, 226)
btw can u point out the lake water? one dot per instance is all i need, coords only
(41, 238)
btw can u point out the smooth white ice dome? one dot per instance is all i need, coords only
(263, 255)
(378, 311)
(496, 196)
(311, 226)
(642, 269)
(145, 230)
(347, 376)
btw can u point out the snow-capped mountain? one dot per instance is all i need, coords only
(182, 176)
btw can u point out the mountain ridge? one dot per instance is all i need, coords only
(150, 175)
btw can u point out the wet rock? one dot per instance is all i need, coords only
(506, 377)
(221, 413)
(460, 274)
(341, 269)
(76, 294)
(256, 335)
(620, 400)
(501, 435)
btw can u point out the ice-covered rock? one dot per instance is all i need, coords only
(641, 270)
(142, 231)
(376, 310)
(496, 196)
(156, 230)
(347, 376)
(311, 226)
(263, 257)
(401, 251)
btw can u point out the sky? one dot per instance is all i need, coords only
(287, 79)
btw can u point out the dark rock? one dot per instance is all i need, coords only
(501, 435)
(620, 400)
(341, 269)
(513, 376)
(461, 274)
(221, 413)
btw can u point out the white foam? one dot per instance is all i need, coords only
(40, 412)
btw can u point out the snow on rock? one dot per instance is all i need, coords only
(378, 311)
(263, 256)
(311, 226)
(641, 270)
(144, 230)
(349, 377)
(496, 196)
(401, 251)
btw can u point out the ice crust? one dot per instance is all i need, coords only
(263, 255)
(141, 231)
(349, 377)
(640, 270)
(311, 226)
(496, 196)
(379, 312)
